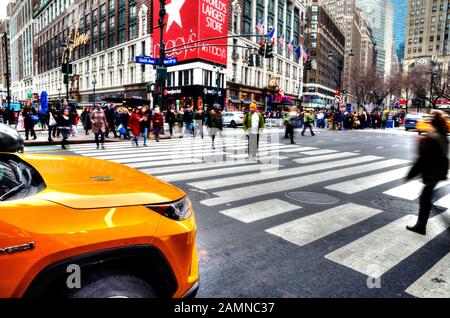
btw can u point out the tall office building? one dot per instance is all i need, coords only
(400, 17)
(326, 46)
(427, 34)
(367, 59)
(345, 14)
(380, 15)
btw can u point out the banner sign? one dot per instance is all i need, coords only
(187, 21)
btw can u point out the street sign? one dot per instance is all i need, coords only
(146, 60)
(154, 61)
(170, 61)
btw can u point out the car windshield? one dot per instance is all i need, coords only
(8, 178)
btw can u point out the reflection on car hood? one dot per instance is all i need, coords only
(83, 183)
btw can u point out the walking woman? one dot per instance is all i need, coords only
(214, 123)
(158, 123)
(64, 126)
(145, 121)
(51, 120)
(30, 119)
(432, 164)
(199, 121)
(86, 120)
(99, 125)
(135, 126)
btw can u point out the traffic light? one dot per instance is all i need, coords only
(251, 60)
(308, 65)
(338, 92)
(262, 48)
(345, 92)
(269, 51)
(257, 60)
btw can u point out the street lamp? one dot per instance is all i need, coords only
(219, 69)
(94, 81)
(65, 67)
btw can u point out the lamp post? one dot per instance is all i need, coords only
(94, 81)
(59, 93)
(66, 66)
(433, 73)
(219, 69)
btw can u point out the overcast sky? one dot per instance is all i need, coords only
(3, 4)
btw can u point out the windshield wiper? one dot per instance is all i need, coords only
(13, 191)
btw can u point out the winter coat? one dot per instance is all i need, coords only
(432, 162)
(170, 117)
(158, 121)
(214, 121)
(98, 120)
(247, 124)
(134, 124)
(27, 113)
(86, 120)
(188, 116)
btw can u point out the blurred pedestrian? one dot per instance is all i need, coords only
(199, 121)
(51, 120)
(99, 125)
(135, 127)
(170, 119)
(291, 118)
(188, 119)
(214, 124)
(64, 126)
(158, 123)
(432, 164)
(86, 120)
(30, 118)
(145, 122)
(308, 121)
(253, 126)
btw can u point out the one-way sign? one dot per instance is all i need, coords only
(154, 61)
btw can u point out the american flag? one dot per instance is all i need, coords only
(281, 40)
(298, 51)
(305, 55)
(260, 26)
(290, 47)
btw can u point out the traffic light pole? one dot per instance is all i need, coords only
(8, 93)
(161, 69)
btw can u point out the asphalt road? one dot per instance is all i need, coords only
(319, 224)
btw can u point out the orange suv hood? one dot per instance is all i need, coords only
(86, 183)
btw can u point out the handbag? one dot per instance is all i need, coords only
(52, 121)
(34, 118)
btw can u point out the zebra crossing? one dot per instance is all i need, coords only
(239, 190)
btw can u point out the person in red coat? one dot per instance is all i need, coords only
(158, 123)
(135, 127)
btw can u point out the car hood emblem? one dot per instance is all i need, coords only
(102, 178)
(17, 248)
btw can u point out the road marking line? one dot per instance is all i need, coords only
(364, 183)
(379, 251)
(260, 210)
(435, 283)
(162, 162)
(273, 174)
(168, 157)
(252, 191)
(320, 152)
(411, 190)
(313, 227)
(325, 157)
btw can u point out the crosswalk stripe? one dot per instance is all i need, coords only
(313, 227)
(368, 182)
(252, 191)
(320, 152)
(411, 190)
(443, 202)
(260, 210)
(168, 157)
(128, 148)
(435, 283)
(192, 167)
(148, 164)
(212, 173)
(299, 149)
(272, 174)
(262, 155)
(325, 157)
(379, 251)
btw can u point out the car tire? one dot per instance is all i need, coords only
(233, 124)
(116, 286)
(406, 129)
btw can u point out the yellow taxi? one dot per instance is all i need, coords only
(78, 227)
(424, 124)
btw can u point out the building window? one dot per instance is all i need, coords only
(133, 19)
(247, 16)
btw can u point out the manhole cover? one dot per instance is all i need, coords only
(395, 205)
(197, 195)
(311, 197)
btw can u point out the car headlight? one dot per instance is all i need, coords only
(179, 210)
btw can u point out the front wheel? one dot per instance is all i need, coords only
(116, 286)
(233, 124)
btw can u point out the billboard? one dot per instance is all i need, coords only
(187, 21)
